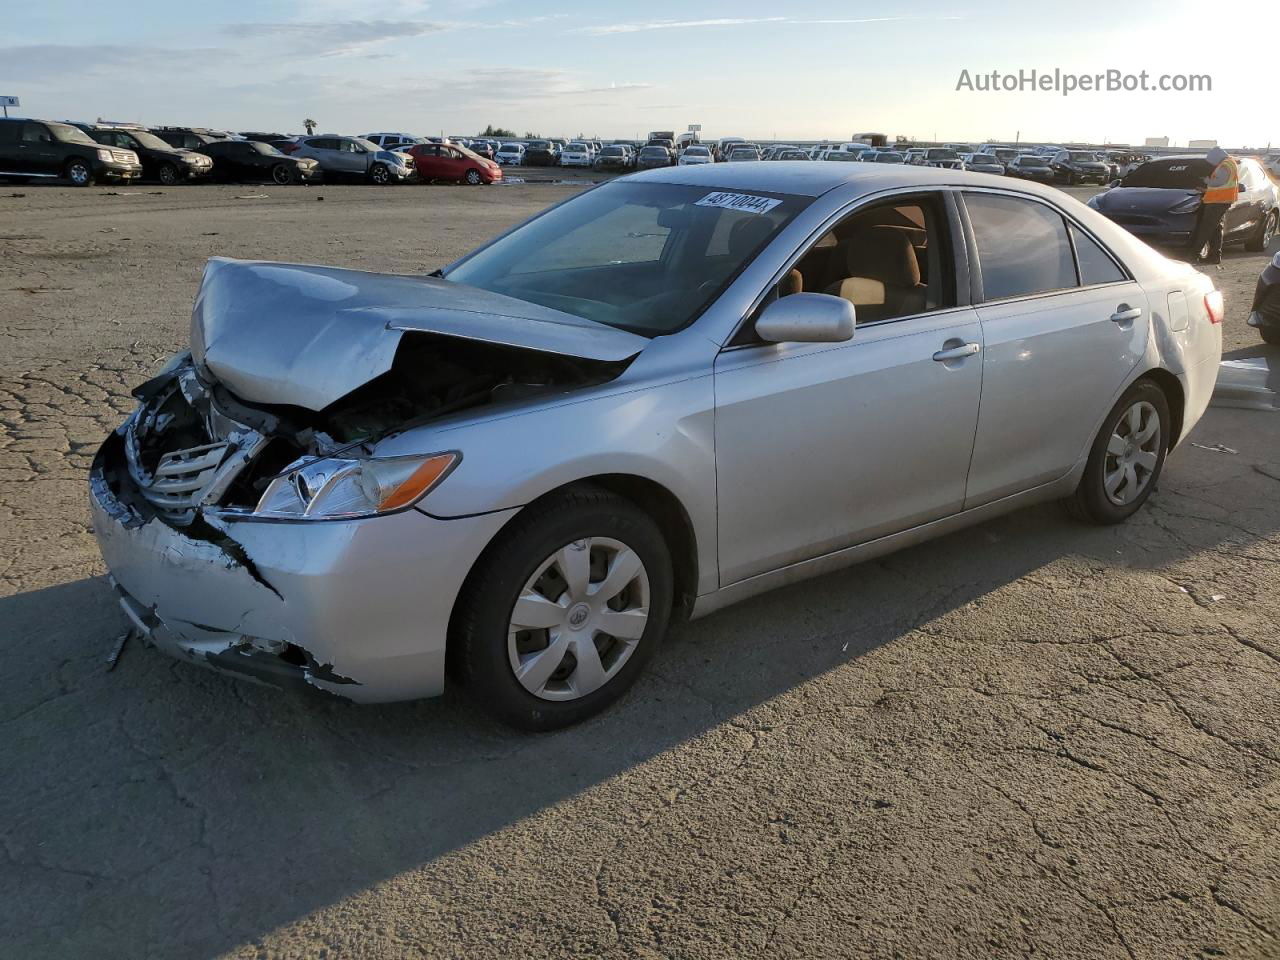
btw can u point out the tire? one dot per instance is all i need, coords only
(168, 174)
(1270, 334)
(473, 177)
(379, 174)
(1112, 449)
(1262, 236)
(282, 174)
(486, 644)
(78, 172)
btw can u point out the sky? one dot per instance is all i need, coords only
(804, 69)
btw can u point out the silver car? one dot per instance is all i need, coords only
(674, 391)
(355, 158)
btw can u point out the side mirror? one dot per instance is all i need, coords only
(807, 318)
(1113, 183)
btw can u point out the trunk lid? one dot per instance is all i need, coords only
(281, 333)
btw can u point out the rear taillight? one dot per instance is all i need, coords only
(287, 147)
(1214, 305)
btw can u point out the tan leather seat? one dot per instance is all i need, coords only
(883, 275)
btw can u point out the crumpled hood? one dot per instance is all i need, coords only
(283, 333)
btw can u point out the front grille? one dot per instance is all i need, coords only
(124, 156)
(182, 476)
(182, 452)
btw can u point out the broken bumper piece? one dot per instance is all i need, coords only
(357, 608)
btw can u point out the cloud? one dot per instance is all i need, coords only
(335, 37)
(39, 60)
(645, 25)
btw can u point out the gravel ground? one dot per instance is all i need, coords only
(1033, 737)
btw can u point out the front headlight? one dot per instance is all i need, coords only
(344, 489)
(105, 156)
(1186, 205)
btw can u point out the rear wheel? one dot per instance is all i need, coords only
(78, 172)
(1262, 236)
(282, 174)
(473, 177)
(1126, 458)
(560, 616)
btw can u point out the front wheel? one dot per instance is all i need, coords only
(1262, 237)
(561, 614)
(168, 174)
(473, 177)
(380, 174)
(78, 173)
(1126, 458)
(282, 174)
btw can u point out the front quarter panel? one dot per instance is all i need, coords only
(656, 428)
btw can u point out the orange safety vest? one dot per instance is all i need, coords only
(1224, 182)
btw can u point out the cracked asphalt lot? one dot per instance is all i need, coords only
(1030, 738)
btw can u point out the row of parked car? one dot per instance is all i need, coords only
(86, 153)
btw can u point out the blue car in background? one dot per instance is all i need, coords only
(1159, 202)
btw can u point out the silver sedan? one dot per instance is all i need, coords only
(667, 394)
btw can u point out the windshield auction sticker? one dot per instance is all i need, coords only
(738, 201)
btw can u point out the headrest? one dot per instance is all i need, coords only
(884, 254)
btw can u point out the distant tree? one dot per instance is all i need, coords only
(532, 136)
(311, 126)
(492, 131)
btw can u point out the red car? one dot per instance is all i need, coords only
(448, 161)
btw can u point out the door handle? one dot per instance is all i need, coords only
(1126, 314)
(956, 353)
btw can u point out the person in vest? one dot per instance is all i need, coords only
(1220, 193)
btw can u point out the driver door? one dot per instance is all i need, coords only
(821, 446)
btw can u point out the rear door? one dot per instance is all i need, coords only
(1063, 326)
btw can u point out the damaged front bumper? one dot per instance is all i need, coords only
(358, 608)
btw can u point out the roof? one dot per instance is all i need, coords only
(813, 178)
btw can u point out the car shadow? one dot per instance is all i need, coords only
(163, 804)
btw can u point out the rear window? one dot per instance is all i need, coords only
(1027, 161)
(942, 155)
(1184, 173)
(612, 152)
(654, 152)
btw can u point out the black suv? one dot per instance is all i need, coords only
(1079, 166)
(160, 161)
(42, 148)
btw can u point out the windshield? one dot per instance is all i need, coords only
(1006, 154)
(612, 152)
(267, 148)
(509, 148)
(149, 140)
(654, 152)
(1029, 161)
(1080, 157)
(942, 155)
(1183, 173)
(69, 134)
(367, 144)
(696, 152)
(888, 158)
(644, 257)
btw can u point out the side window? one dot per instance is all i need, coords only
(9, 131)
(35, 133)
(891, 260)
(1022, 246)
(1095, 265)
